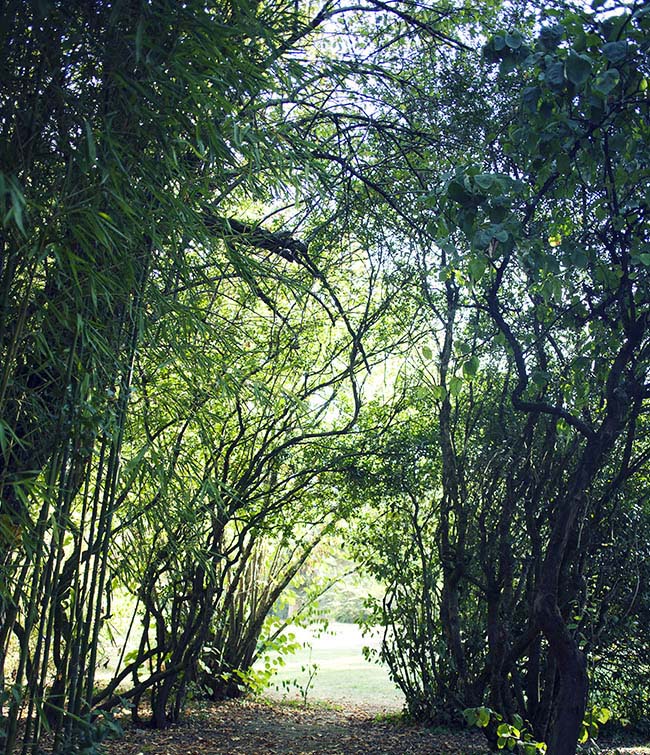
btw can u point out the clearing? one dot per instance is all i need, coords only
(331, 666)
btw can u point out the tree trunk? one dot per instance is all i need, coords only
(571, 701)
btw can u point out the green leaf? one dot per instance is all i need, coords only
(445, 273)
(483, 713)
(514, 41)
(581, 363)
(90, 140)
(455, 387)
(439, 392)
(551, 36)
(497, 213)
(584, 734)
(477, 267)
(470, 367)
(580, 41)
(471, 716)
(484, 181)
(617, 142)
(578, 68)
(530, 97)
(603, 715)
(508, 64)
(555, 75)
(3, 437)
(427, 353)
(18, 203)
(482, 238)
(607, 81)
(457, 192)
(540, 377)
(138, 40)
(615, 52)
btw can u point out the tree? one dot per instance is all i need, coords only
(550, 250)
(141, 142)
(233, 463)
(187, 201)
(124, 137)
(562, 231)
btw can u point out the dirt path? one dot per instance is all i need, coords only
(244, 727)
(259, 728)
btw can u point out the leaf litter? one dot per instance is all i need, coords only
(248, 727)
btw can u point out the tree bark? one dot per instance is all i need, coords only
(571, 700)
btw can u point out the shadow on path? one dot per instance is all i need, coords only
(267, 728)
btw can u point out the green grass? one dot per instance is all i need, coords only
(343, 675)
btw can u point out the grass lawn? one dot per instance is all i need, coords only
(342, 676)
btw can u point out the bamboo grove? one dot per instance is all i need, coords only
(267, 267)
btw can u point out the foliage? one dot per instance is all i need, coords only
(563, 235)
(221, 222)
(516, 735)
(535, 242)
(132, 131)
(509, 736)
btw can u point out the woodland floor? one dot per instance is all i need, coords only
(270, 728)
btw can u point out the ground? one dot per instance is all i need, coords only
(270, 728)
(363, 719)
(248, 727)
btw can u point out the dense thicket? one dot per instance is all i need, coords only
(225, 227)
(160, 357)
(527, 474)
(186, 301)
